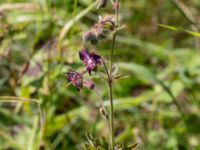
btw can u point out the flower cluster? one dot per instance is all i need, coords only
(91, 60)
(101, 3)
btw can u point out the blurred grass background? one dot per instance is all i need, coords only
(158, 105)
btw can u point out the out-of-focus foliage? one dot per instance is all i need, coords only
(157, 105)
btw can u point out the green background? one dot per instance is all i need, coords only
(157, 105)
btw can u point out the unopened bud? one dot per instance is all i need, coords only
(102, 28)
(87, 36)
(94, 40)
(89, 84)
(101, 3)
(103, 112)
(109, 25)
(116, 6)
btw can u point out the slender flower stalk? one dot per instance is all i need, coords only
(110, 81)
(91, 61)
(111, 117)
(110, 86)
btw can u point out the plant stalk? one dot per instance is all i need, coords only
(110, 85)
(111, 117)
(110, 80)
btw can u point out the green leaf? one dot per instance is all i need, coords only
(128, 102)
(180, 29)
(139, 71)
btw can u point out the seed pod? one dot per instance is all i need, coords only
(103, 112)
(101, 3)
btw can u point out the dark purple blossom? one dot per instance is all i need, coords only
(90, 60)
(75, 78)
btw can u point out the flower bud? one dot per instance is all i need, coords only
(102, 28)
(116, 5)
(108, 24)
(103, 112)
(94, 40)
(101, 3)
(89, 36)
(89, 84)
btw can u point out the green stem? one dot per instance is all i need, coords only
(111, 117)
(110, 121)
(112, 53)
(105, 68)
(114, 38)
(110, 78)
(110, 82)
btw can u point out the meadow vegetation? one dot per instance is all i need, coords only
(156, 101)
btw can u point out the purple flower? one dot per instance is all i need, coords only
(90, 60)
(75, 78)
